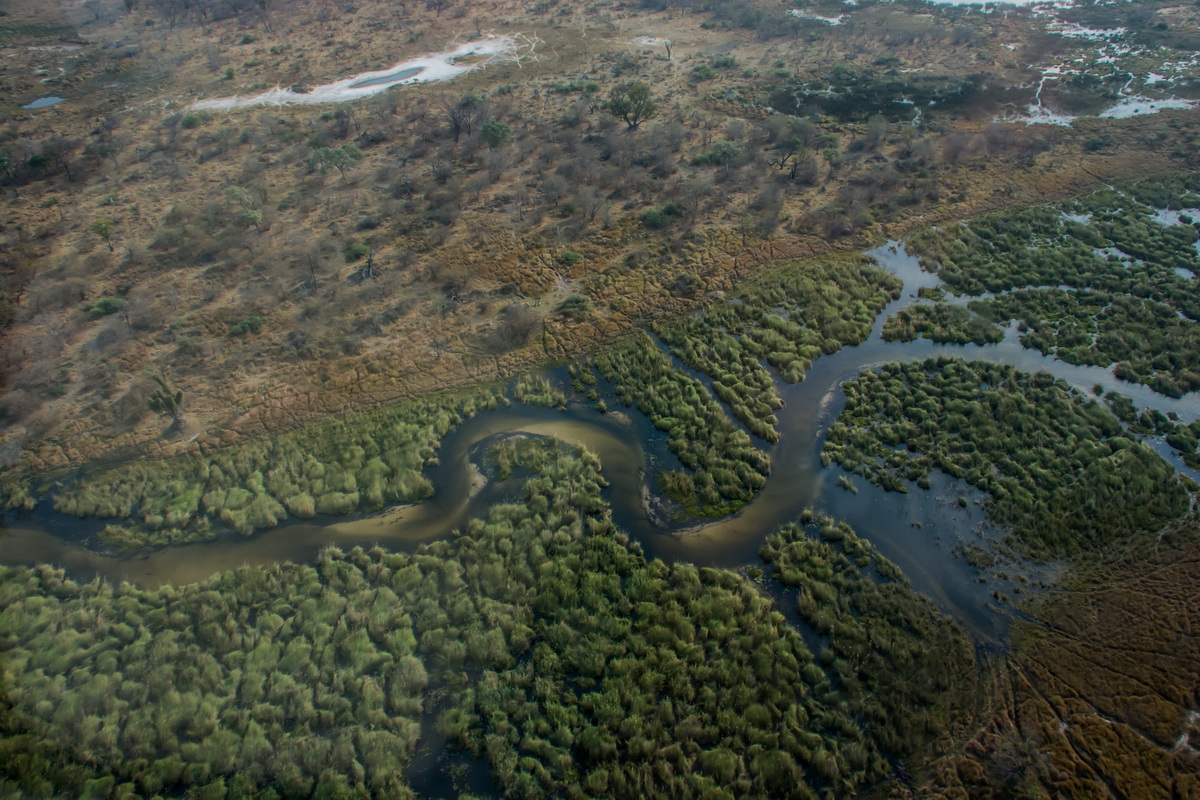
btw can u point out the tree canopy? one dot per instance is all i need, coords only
(632, 103)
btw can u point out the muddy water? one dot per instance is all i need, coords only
(921, 531)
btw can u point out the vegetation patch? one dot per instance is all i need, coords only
(570, 662)
(365, 460)
(1041, 450)
(786, 320)
(725, 469)
(943, 323)
(1102, 280)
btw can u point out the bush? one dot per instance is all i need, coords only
(103, 307)
(250, 324)
(574, 307)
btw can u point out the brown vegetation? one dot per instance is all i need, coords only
(240, 265)
(1099, 698)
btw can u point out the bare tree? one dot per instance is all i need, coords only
(464, 115)
(60, 150)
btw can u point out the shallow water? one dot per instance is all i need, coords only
(44, 102)
(430, 67)
(922, 531)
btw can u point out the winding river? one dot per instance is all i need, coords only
(923, 531)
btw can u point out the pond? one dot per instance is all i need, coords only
(44, 102)
(441, 66)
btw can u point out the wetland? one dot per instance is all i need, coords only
(714, 401)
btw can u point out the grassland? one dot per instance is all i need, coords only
(231, 261)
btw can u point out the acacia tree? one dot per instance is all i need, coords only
(104, 229)
(60, 150)
(631, 102)
(341, 158)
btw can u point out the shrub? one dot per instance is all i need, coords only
(250, 324)
(103, 307)
(575, 307)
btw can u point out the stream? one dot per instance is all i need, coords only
(924, 532)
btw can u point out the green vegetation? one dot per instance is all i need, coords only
(340, 158)
(168, 401)
(250, 324)
(904, 668)
(495, 133)
(104, 229)
(941, 323)
(569, 661)
(725, 468)
(787, 320)
(1096, 281)
(1041, 450)
(536, 390)
(848, 93)
(1149, 341)
(365, 460)
(128, 538)
(103, 307)
(632, 103)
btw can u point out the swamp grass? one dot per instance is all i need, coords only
(723, 468)
(573, 665)
(1097, 281)
(1041, 450)
(784, 320)
(362, 461)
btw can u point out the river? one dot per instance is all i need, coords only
(924, 532)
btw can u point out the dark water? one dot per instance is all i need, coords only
(922, 531)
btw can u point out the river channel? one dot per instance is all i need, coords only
(924, 532)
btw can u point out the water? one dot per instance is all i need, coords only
(43, 102)
(441, 66)
(924, 532)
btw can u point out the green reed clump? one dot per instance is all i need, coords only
(1039, 448)
(941, 323)
(124, 538)
(536, 390)
(1143, 340)
(908, 670)
(361, 461)
(724, 468)
(785, 320)
(17, 493)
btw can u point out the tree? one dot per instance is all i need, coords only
(465, 115)
(342, 158)
(60, 150)
(631, 102)
(167, 401)
(104, 229)
(496, 133)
